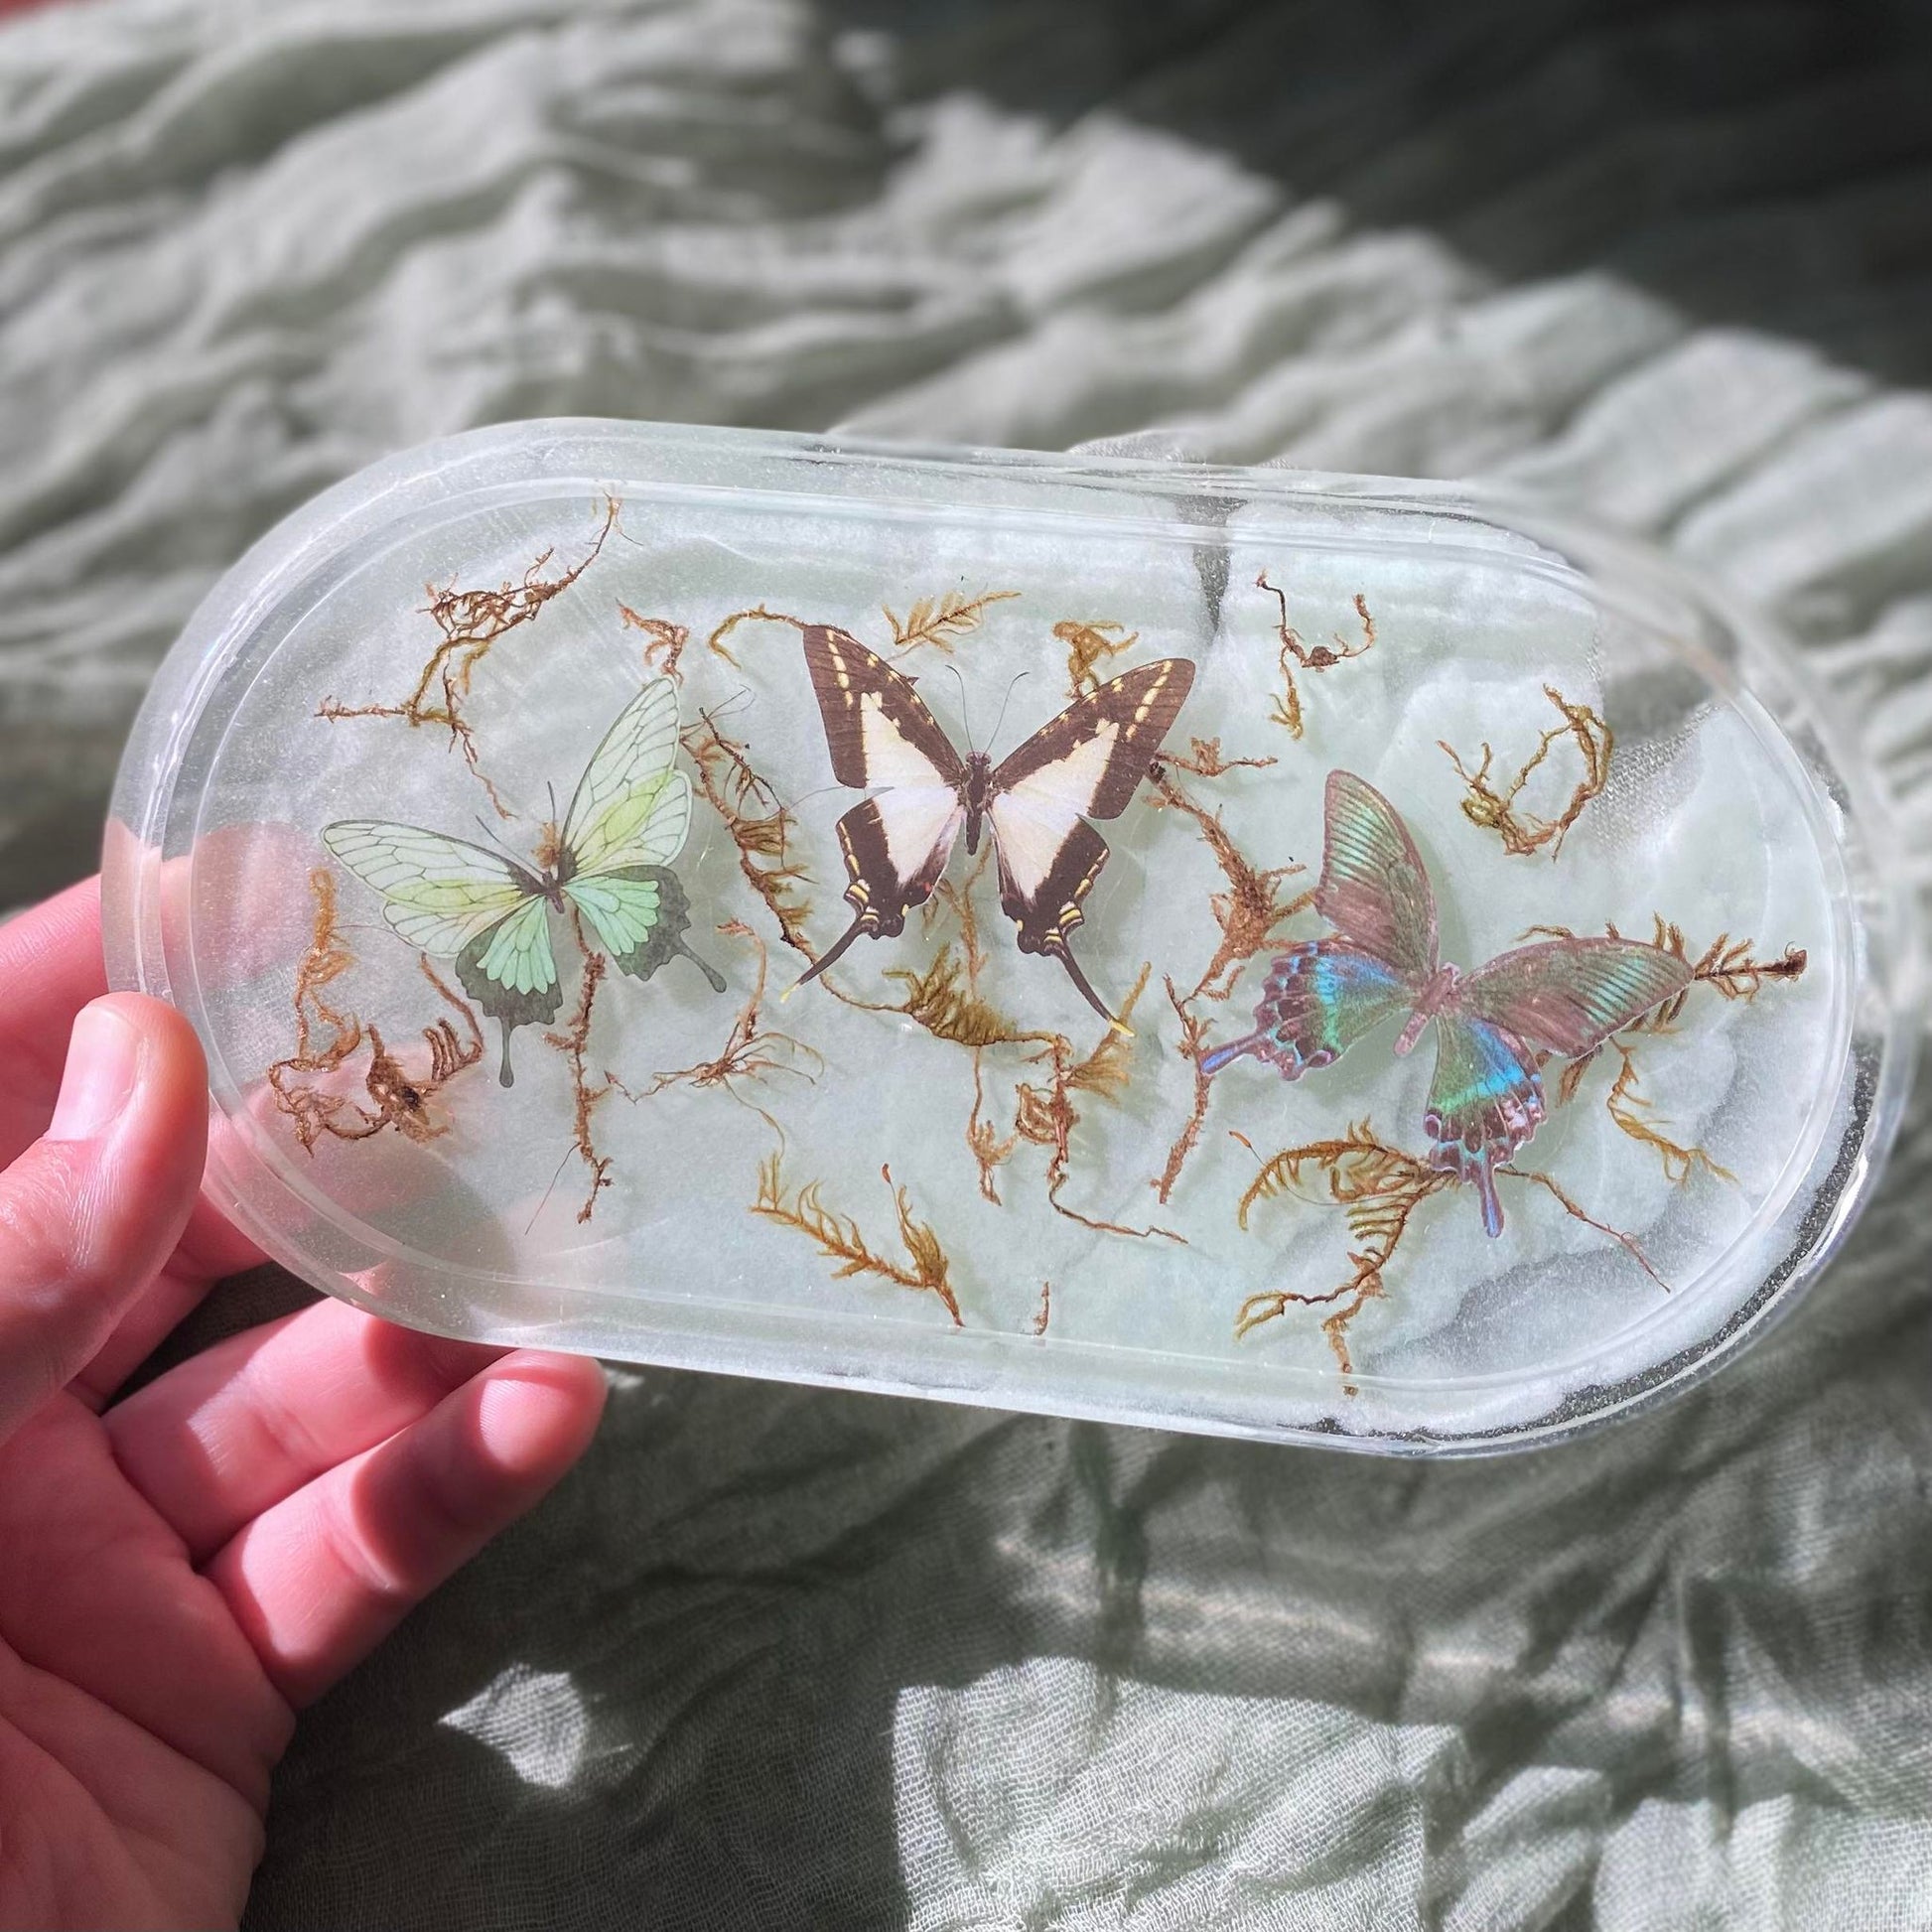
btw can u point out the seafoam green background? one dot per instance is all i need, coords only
(778, 1657)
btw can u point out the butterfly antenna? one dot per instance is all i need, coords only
(1002, 718)
(965, 716)
(551, 1189)
(496, 841)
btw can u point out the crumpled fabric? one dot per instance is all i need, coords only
(788, 1657)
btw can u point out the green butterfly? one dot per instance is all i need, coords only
(627, 822)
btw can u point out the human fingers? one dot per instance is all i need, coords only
(235, 1429)
(91, 1210)
(51, 966)
(318, 1580)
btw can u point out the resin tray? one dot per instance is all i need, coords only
(1303, 956)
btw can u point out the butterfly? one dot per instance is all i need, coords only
(627, 821)
(1085, 763)
(1495, 1028)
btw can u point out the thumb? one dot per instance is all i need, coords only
(91, 1211)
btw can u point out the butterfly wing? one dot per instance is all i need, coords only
(1087, 762)
(881, 734)
(1374, 888)
(877, 726)
(1484, 1103)
(640, 916)
(457, 900)
(1325, 994)
(1091, 758)
(1568, 995)
(438, 893)
(1321, 997)
(1560, 996)
(632, 807)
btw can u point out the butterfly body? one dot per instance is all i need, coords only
(1435, 996)
(1087, 762)
(1494, 1026)
(606, 869)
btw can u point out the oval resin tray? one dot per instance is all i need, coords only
(1302, 956)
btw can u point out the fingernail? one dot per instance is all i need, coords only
(103, 1057)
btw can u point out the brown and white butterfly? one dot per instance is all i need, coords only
(1085, 763)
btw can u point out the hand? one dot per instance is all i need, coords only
(181, 1572)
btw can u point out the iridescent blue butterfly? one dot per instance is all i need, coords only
(1495, 1028)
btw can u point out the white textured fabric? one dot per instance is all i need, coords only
(786, 1658)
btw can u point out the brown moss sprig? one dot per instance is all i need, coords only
(1628, 1242)
(759, 825)
(1522, 831)
(1043, 1314)
(665, 649)
(1636, 1117)
(1285, 710)
(1731, 970)
(1087, 646)
(940, 621)
(1046, 1114)
(1252, 908)
(751, 1050)
(1379, 1187)
(1249, 912)
(473, 621)
(1205, 760)
(756, 614)
(328, 1038)
(1192, 1047)
(587, 1096)
(945, 999)
(926, 1268)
